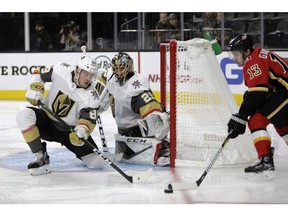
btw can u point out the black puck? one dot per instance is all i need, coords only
(168, 191)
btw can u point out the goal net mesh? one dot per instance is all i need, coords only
(195, 91)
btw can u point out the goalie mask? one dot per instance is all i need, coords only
(88, 64)
(122, 64)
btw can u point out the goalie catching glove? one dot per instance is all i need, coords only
(237, 125)
(155, 124)
(80, 132)
(35, 93)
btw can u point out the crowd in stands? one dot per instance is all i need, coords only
(68, 39)
(69, 34)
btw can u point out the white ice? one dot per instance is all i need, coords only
(72, 183)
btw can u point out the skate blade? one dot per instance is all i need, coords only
(268, 174)
(41, 170)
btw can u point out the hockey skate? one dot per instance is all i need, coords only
(40, 164)
(164, 154)
(265, 166)
(164, 158)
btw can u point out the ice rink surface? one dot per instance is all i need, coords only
(72, 183)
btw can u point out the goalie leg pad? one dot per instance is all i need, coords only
(136, 150)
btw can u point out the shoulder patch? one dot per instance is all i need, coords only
(136, 84)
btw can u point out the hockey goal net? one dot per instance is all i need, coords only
(195, 91)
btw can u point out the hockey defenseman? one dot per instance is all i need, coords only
(265, 101)
(72, 97)
(141, 121)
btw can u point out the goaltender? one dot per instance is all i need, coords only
(142, 122)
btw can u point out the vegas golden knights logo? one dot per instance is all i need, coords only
(62, 104)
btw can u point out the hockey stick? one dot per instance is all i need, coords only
(133, 179)
(102, 135)
(195, 185)
(116, 157)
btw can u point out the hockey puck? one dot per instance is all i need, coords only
(168, 191)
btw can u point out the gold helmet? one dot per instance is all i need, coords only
(122, 64)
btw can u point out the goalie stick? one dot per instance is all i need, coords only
(195, 185)
(115, 157)
(133, 179)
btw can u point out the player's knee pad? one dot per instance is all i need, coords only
(25, 118)
(93, 161)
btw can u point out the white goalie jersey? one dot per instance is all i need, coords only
(125, 117)
(64, 97)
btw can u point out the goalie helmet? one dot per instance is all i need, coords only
(122, 64)
(241, 43)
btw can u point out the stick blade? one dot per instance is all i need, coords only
(142, 176)
(183, 186)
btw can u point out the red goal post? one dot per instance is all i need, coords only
(195, 91)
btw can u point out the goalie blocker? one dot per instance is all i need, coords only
(140, 150)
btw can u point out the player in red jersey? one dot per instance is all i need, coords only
(266, 100)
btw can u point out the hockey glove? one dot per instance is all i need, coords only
(80, 132)
(155, 124)
(237, 125)
(35, 93)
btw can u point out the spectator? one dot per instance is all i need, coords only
(217, 33)
(208, 23)
(209, 20)
(175, 26)
(218, 20)
(70, 39)
(41, 39)
(163, 24)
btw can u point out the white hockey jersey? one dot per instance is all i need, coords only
(125, 117)
(64, 97)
